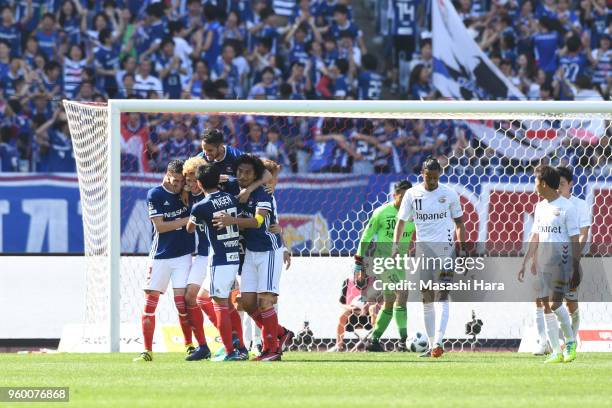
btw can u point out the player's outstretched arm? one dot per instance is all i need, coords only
(166, 226)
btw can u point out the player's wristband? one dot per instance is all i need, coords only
(260, 219)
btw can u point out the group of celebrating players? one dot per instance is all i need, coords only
(433, 212)
(226, 199)
(220, 201)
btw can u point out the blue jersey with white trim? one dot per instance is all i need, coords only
(260, 239)
(224, 242)
(171, 244)
(226, 164)
(202, 242)
(404, 17)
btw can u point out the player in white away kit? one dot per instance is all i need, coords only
(554, 242)
(584, 223)
(438, 219)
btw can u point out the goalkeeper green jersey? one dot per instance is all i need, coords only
(381, 226)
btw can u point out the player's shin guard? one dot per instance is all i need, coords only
(236, 324)
(197, 323)
(205, 303)
(382, 322)
(400, 315)
(442, 322)
(552, 328)
(148, 320)
(270, 329)
(224, 325)
(179, 301)
(564, 321)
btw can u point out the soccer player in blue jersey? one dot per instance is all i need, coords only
(196, 296)
(222, 156)
(170, 254)
(214, 150)
(224, 241)
(263, 256)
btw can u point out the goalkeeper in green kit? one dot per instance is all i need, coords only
(377, 242)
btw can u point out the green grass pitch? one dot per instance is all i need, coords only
(317, 380)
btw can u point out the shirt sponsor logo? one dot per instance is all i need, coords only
(175, 213)
(442, 199)
(431, 216)
(549, 229)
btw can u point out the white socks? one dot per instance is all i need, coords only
(429, 317)
(565, 323)
(443, 308)
(576, 322)
(552, 328)
(541, 326)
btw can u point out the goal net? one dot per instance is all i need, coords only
(340, 161)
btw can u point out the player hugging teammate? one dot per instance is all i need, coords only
(202, 196)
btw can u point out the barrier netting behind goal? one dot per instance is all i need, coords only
(336, 171)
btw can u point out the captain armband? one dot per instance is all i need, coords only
(260, 219)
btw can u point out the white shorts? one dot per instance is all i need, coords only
(554, 278)
(435, 259)
(161, 271)
(198, 270)
(221, 280)
(261, 271)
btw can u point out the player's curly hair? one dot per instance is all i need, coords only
(247, 158)
(191, 165)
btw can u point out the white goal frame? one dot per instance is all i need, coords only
(313, 108)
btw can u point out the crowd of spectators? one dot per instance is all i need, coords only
(91, 50)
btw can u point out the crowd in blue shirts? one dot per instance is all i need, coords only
(92, 50)
(549, 49)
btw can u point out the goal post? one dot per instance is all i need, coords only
(96, 133)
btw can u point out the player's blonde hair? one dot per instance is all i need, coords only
(192, 164)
